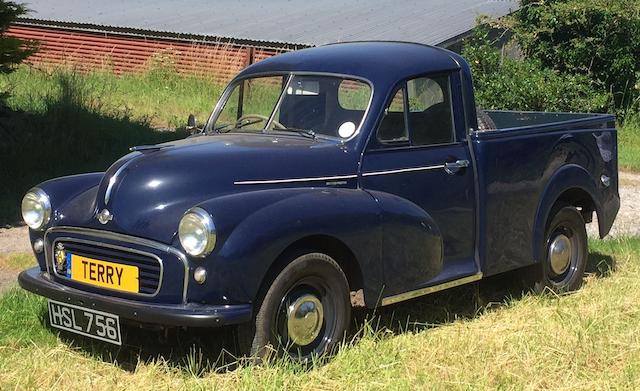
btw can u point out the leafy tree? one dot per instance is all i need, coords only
(12, 50)
(596, 38)
(506, 83)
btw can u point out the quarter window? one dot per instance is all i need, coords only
(393, 128)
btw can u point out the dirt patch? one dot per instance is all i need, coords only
(628, 220)
(14, 240)
(8, 278)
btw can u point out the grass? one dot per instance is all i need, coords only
(17, 261)
(159, 97)
(61, 122)
(588, 340)
(629, 144)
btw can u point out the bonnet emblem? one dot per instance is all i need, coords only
(104, 216)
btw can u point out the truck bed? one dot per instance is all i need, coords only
(515, 167)
(506, 121)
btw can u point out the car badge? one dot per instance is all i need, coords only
(104, 216)
(61, 257)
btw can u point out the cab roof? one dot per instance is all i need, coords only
(376, 61)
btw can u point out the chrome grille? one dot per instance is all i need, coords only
(149, 268)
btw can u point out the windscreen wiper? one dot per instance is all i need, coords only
(237, 125)
(217, 129)
(304, 132)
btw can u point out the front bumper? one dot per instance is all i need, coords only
(187, 315)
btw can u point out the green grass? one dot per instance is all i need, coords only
(160, 97)
(629, 144)
(587, 340)
(61, 122)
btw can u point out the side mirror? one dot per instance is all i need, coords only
(192, 123)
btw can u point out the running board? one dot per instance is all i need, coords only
(430, 289)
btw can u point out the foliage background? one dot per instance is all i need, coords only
(584, 48)
(12, 50)
(505, 83)
(596, 38)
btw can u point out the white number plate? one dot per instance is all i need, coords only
(90, 323)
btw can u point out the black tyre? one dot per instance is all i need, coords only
(305, 312)
(565, 252)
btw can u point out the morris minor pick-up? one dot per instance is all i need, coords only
(349, 167)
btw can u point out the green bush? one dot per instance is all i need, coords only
(596, 38)
(523, 84)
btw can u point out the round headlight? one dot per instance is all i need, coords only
(197, 233)
(36, 209)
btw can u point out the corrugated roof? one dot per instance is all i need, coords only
(280, 21)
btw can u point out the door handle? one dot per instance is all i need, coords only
(454, 167)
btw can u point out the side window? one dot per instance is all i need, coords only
(430, 115)
(393, 128)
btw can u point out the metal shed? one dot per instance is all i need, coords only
(220, 37)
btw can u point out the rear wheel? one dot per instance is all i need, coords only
(565, 252)
(305, 312)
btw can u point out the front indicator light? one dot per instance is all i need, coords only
(200, 275)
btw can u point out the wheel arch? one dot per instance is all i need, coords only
(321, 243)
(571, 185)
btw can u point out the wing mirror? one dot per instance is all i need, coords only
(192, 124)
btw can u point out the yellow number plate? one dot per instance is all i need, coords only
(104, 274)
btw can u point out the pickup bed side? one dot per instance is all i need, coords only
(524, 171)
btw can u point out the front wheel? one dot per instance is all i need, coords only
(565, 252)
(305, 312)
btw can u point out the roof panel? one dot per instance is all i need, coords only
(290, 21)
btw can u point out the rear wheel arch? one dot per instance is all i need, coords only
(581, 200)
(572, 185)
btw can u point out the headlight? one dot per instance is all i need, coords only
(36, 209)
(197, 233)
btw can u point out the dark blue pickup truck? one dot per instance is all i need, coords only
(356, 166)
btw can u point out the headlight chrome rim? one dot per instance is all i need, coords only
(39, 197)
(197, 216)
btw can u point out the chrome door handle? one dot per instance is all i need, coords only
(455, 167)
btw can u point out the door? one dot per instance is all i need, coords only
(419, 154)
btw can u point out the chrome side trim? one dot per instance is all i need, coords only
(430, 289)
(125, 238)
(114, 178)
(293, 180)
(338, 177)
(115, 247)
(401, 170)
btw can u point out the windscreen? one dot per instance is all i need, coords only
(325, 105)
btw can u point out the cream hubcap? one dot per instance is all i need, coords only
(304, 319)
(560, 254)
